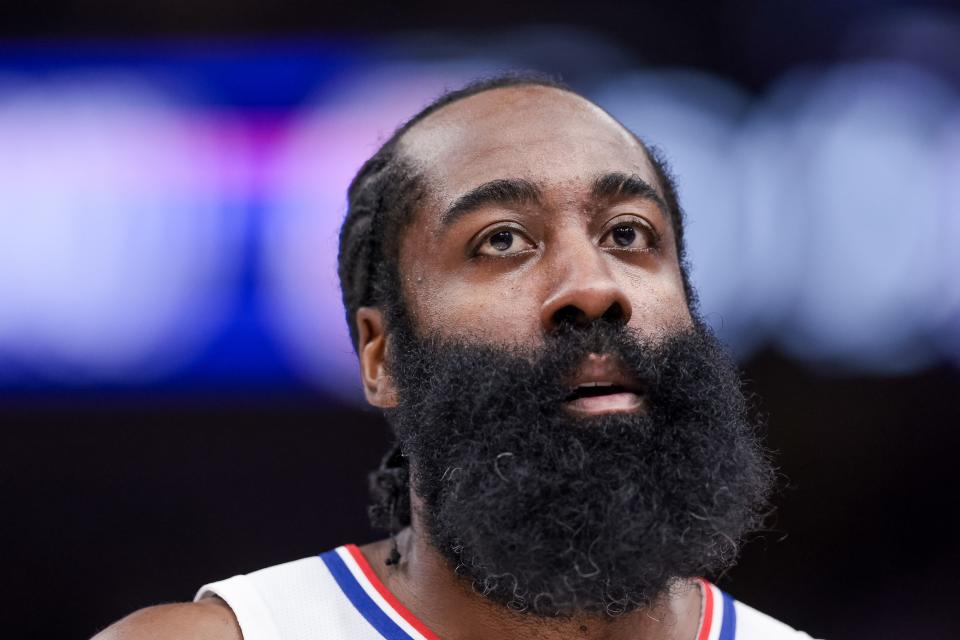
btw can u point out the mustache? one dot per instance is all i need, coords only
(544, 371)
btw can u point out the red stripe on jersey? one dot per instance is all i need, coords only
(707, 621)
(391, 599)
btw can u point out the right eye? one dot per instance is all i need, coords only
(503, 242)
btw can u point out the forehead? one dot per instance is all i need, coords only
(548, 136)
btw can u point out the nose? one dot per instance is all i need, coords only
(585, 291)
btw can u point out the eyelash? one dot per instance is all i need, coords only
(643, 227)
(475, 250)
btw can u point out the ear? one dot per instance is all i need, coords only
(372, 348)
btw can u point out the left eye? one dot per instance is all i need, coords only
(627, 235)
(501, 240)
(623, 236)
(504, 242)
(630, 233)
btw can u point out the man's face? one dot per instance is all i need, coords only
(577, 440)
(566, 221)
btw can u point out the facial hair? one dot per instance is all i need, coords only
(555, 513)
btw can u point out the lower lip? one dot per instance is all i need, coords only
(611, 403)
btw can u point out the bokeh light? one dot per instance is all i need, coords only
(823, 212)
(866, 140)
(118, 244)
(323, 149)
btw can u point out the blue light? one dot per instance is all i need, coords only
(117, 253)
(173, 216)
(312, 168)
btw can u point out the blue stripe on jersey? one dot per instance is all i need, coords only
(360, 600)
(728, 628)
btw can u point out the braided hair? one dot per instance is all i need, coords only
(381, 200)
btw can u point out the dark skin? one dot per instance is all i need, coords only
(547, 237)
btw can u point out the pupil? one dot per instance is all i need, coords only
(501, 240)
(624, 236)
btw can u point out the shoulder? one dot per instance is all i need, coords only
(207, 619)
(244, 606)
(752, 624)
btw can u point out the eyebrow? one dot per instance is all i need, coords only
(507, 191)
(517, 191)
(618, 186)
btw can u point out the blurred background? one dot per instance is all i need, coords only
(178, 396)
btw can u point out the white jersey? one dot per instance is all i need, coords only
(337, 596)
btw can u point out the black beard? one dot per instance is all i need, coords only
(555, 514)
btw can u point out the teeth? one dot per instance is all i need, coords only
(596, 384)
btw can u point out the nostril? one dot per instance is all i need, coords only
(573, 316)
(615, 314)
(569, 315)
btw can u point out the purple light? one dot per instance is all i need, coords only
(308, 184)
(117, 250)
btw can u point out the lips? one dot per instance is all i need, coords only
(601, 386)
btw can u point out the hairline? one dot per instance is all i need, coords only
(419, 168)
(397, 140)
(410, 175)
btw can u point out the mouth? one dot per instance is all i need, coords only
(601, 387)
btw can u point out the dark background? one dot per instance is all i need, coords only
(117, 498)
(114, 503)
(750, 41)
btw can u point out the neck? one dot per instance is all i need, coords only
(426, 584)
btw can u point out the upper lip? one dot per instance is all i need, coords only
(597, 369)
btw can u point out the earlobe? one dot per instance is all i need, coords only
(372, 349)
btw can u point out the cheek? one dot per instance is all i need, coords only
(444, 294)
(660, 305)
(503, 312)
(510, 311)
(507, 306)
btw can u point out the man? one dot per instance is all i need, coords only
(573, 447)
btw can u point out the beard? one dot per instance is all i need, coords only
(555, 513)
